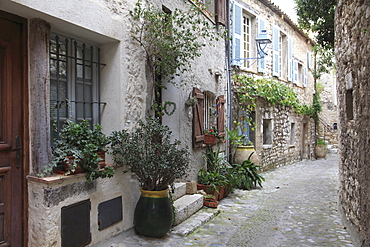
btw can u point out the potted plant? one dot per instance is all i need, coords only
(211, 135)
(210, 201)
(213, 178)
(77, 149)
(245, 175)
(321, 149)
(156, 161)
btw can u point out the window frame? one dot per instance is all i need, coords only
(82, 68)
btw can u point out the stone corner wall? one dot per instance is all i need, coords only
(353, 75)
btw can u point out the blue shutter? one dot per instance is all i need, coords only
(290, 60)
(304, 76)
(261, 61)
(309, 60)
(275, 52)
(237, 31)
(295, 71)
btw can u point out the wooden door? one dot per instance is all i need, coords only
(12, 180)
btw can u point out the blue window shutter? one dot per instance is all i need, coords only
(237, 31)
(290, 60)
(304, 76)
(295, 71)
(275, 52)
(261, 61)
(309, 60)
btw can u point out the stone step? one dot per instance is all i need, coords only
(195, 221)
(179, 191)
(186, 206)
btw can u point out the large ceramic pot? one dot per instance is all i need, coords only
(242, 153)
(153, 213)
(321, 151)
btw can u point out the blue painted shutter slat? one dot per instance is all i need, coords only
(295, 71)
(237, 31)
(304, 76)
(275, 71)
(290, 60)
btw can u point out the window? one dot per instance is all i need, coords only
(207, 110)
(246, 40)
(216, 8)
(280, 53)
(74, 82)
(267, 131)
(242, 28)
(349, 104)
(292, 134)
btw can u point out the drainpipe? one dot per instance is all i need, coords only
(228, 68)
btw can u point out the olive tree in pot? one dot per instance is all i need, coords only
(156, 161)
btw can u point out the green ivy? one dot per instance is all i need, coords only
(248, 89)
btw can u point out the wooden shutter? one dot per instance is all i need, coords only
(237, 34)
(275, 52)
(295, 72)
(221, 115)
(198, 135)
(221, 12)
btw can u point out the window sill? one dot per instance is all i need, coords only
(267, 146)
(58, 178)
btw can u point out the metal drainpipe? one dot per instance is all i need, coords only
(228, 68)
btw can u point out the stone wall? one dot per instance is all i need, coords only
(353, 63)
(281, 151)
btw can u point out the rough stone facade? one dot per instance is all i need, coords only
(353, 63)
(292, 134)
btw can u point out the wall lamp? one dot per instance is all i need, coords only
(262, 41)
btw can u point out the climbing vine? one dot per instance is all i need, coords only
(171, 41)
(248, 89)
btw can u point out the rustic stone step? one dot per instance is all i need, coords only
(186, 206)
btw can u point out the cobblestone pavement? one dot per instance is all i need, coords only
(297, 206)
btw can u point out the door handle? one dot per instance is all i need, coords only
(17, 151)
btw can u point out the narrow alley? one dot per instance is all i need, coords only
(296, 207)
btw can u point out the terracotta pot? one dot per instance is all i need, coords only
(68, 167)
(210, 139)
(207, 188)
(102, 156)
(210, 202)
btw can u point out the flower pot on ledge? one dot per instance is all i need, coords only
(210, 139)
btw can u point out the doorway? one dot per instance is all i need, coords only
(12, 113)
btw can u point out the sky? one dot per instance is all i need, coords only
(287, 6)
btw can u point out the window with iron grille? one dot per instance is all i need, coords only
(74, 82)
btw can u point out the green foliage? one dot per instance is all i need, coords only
(83, 144)
(249, 89)
(318, 17)
(171, 40)
(216, 172)
(149, 153)
(246, 175)
(320, 141)
(324, 59)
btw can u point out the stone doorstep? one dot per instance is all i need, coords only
(186, 206)
(195, 221)
(180, 190)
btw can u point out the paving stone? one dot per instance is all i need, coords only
(296, 207)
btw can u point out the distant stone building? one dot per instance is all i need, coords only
(353, 62)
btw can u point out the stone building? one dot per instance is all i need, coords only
(42, 46)
(352, 55)
(280, 136)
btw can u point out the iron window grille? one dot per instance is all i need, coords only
(74, 82)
